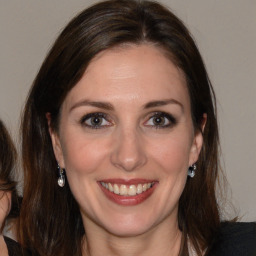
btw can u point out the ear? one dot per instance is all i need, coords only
(197, 142)
(55, 142)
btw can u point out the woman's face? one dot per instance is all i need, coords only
(126, 140)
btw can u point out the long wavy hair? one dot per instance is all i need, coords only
(8, 156)
(51, 223)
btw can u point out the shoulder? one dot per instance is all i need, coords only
(13, 247)
(236, 239)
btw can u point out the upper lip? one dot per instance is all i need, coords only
(127, 181)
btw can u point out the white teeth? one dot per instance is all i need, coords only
(110, 187)
(116, 189)
(132, 190)
(139, 189)
(144, 187)
(124, 190)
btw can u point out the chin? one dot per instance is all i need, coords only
(129, 226)
(125, 231)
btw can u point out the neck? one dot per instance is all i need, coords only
(161, 241)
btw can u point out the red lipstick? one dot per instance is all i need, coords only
(127, 182)
(128, 200)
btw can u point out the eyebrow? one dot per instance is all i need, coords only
(159, 103)
(97, 104)
(109, 106)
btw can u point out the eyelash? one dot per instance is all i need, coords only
(104, 118)
(87, 117)
(170, 118)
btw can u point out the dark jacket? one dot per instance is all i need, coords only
(13, 247)
(235, 239)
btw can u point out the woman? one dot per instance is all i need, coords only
(120, 141)
(9, 200)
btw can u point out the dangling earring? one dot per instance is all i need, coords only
(191, 170)
(61, 178)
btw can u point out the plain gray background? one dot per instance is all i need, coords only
(225, 32)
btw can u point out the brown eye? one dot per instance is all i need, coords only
(95, 121)
(161, 120)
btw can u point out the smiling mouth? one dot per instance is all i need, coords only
(127, 190)
(128, 193)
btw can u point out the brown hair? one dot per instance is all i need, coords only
(51, 222)
(8, 157)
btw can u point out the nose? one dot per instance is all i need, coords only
(128, 151)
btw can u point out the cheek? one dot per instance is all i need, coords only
(83, 155)
(172, 153)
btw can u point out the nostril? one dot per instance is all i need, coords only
(128, 158)
(128, 151)
(129, 164)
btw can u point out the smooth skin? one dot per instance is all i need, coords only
(129, 117)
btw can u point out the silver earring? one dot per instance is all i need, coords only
(191, 170)
(61, 178)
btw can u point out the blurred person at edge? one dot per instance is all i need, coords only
(120, 142)
(9, 199)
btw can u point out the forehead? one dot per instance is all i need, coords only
(131, 72)
(142, 56)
